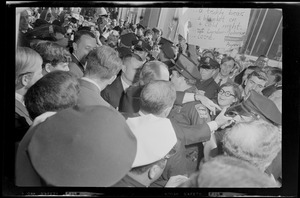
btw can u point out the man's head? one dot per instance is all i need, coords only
(141, 48)
(158, 97)
(102, 20)
(256, 106)
(255, 81)
(228, 172)
(208, 68)
(262, 61)
(53, 92)
(154, 70)
(84, 42)
(156, 33)
(248, 71)
(227, 66)
(274, 75)
(140, 30)
(152, 148)
(24, 21)
(103, 65)
(132, 64)
(257, 142)
(28, 68)
(184, 74)
(54, 56)
(167, 50)
(114, 22)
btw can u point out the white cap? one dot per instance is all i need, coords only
(75, 15)
(102, 11)
(155, 138)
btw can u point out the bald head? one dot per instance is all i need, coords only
(154, 70)
(158, 97)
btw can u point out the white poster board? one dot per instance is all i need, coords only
(216, 27)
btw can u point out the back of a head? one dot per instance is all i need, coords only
(55, 91)
(157, 96)
(257, 142)
(52, 53)
(229, 172)
(26, 60)
(103, 63)
(154, 70)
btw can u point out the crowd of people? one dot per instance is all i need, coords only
(102, 102)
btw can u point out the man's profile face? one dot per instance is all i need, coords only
(254, 83)
(85, 45)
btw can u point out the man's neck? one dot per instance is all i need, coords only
(125, 79)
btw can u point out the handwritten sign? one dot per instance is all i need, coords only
(217, 27)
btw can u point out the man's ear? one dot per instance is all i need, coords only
(48, 67)
(245, 82)
(124, 68)
(153, 171)
(25, 79)
(74, 46)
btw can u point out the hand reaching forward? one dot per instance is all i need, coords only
(207, 102)
(175, 181)
(222, 120)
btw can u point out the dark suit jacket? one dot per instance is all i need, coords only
(130, 103)
(76, 67)
(113, 92)
(90, 94)
(22, 120)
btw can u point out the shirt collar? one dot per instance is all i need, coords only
(91, 81)
(20, 98)
(124, 84)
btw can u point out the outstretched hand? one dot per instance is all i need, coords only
(222, 120)
(207, 103)
(175, 181)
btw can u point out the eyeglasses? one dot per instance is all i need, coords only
(226, 93)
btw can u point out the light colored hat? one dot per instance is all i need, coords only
(102, 11)
(155, 138)
(80, 146)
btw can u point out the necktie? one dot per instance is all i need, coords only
(219, 83)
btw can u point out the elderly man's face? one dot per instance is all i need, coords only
(24, 21)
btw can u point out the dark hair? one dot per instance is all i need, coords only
(55, 91)
(148, 31)
(236, 90)
(226, 59)
(52, 53)
(103, 62)
(80, 33)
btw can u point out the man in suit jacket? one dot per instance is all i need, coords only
(84, 42)
(152, 70)
(103, 65)
(130, 68)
